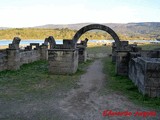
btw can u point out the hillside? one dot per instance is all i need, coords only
(129, 31)
(3, 28)
(151, 29)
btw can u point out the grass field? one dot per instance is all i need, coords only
(99, 49)
(33, 79)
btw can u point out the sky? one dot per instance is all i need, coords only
(29, 13)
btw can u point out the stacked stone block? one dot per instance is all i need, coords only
(122, 63)
(63, 59)
(82, 52)
(3, 61)
(13, 57)
(145, 73)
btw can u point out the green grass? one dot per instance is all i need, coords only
(125, 86)
(99, 49)
(33, 80)
(150, 46)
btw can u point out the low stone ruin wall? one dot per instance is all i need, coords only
(145, 73)
(142, 67)
(13, 57)
(29, 56)
(150, 53)
(3, 61)
(63, 58)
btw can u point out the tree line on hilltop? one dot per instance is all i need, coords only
(134, 31)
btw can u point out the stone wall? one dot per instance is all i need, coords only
(29, 56)
(145, 53)
(16, 58)
(144, 72)
(133, 68)
(63, 61)
(150, 53)
(114, 52)
(3, 61)
(122, 63)
(142, 67)
(82, 52)
(125, 46)
(13, 57)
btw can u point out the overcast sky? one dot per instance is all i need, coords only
(28, 13)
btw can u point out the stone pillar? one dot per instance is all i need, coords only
(13, 59)
(82, 50)
(63, 61)
(15, 43)
(122, 61)
(44, 52)
(124, 44)
(113, 52)
(82, 53)
(51, 42)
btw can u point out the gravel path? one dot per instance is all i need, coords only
(85, 103)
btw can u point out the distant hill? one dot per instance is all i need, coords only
(130, 29)
(137, 28)
(61, 26)
(141, 30)
(3, 28)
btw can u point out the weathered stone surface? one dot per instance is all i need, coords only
(134, 55)
(150, 53)
(122, 63)
(114, 53)
(124, 47)
(13, 59)
(51, 42)
(44, 52)
(133, 70)
(15, 43)
(82, 53)
(68, 44)
(29, 56)
(63, 61)
(3, 62)
(145, 73)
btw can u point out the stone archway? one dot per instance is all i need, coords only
(100, 27)
(51, 41)
(15, 43)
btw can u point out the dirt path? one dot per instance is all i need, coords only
(81, 102)
(85, 103)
